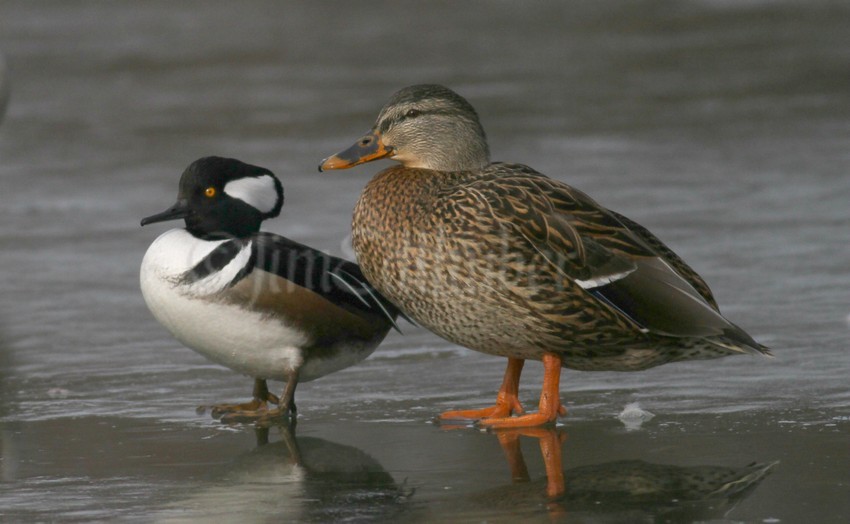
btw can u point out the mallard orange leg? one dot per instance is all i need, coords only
(550, 442)
(261, 395)
(507, 401)
(509, 441)
(550, 448)
(550, 401)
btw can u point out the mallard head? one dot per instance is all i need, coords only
(424, 126)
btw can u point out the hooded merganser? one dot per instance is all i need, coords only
(256, 302)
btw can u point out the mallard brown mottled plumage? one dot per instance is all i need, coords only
(504, 260)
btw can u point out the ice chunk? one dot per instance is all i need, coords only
(58, 393)
(633, 416)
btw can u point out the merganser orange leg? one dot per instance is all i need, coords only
(550, 401)
(263, 415)
(262, 397)
(507, 401)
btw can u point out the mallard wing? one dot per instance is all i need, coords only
(591, 246)
(670, 257)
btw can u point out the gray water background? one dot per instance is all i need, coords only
(722, 126)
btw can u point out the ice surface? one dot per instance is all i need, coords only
(633, 416)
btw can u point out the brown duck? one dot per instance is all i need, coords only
(504, 260)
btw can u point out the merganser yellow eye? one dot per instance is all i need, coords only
(210, 191)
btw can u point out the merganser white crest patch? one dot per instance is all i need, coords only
(258, 192)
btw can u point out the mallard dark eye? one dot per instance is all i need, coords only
(413, 113)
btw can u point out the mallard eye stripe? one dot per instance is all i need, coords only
(390, 122)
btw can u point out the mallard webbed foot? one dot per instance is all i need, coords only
(507, 401)
(506, 405)
(550, 401)
(541, 418)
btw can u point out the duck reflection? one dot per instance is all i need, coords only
(4, 86)
(8, 449)
(302, 478)
(633, 490)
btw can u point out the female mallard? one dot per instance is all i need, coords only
(502, 259)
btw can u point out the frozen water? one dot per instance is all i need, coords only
(633, 416)
(723, 129)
